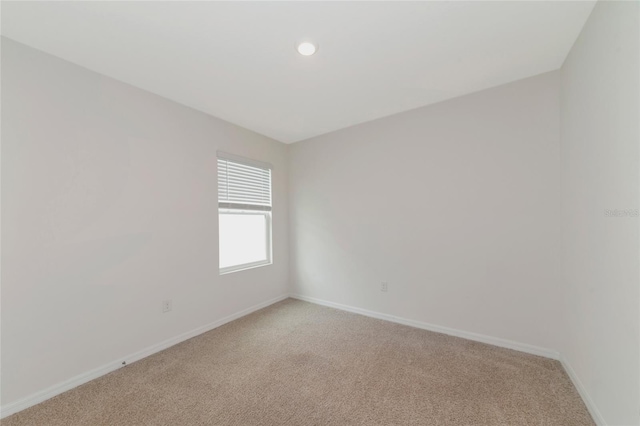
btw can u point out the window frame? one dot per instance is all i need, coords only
(240, 205)
(268, 230)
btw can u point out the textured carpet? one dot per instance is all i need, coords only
(296, 363)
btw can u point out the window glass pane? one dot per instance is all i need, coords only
(243, 239)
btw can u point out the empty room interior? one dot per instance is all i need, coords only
(320, 213)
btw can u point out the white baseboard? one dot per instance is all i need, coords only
(593, 410)
(57, 389)
(521, 347)
(495, 341)
(78, 380)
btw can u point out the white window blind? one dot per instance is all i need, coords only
(243, 186)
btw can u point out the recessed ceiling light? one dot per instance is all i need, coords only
(307, 48)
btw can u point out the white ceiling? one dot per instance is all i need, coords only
(236, 60)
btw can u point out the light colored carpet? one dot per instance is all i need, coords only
(295, 363)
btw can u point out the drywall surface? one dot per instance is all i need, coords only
(109, 207)
(600, 139)
(455, 206)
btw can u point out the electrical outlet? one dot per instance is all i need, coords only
(384, 286)
(166, 306)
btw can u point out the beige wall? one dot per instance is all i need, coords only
(109, 206)
(455, 205)
(600, 140)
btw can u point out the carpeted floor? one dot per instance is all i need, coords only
(296, 363)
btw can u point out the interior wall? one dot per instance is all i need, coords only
(110, 193)
(455, 205)
(109, 206)
(600, 175)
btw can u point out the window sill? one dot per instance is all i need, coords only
(232, 269)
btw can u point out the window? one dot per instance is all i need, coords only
(244, 213)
